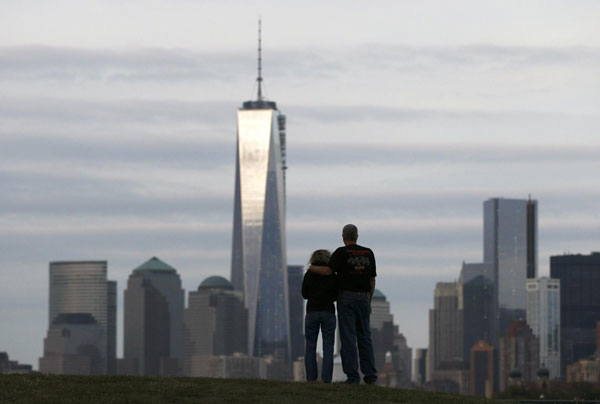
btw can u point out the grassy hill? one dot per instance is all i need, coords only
(141, 390)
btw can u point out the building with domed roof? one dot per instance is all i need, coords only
(153, 320)
(215, 324)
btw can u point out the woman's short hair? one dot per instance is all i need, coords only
(320, 257)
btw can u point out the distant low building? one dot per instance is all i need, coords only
(586, 369)
(238, 366)
(8, 366)
(75, 345)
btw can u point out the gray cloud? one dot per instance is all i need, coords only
(162, 64)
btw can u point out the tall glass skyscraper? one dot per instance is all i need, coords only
(510, 245)
(258, 259)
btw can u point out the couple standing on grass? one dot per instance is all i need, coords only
(348, 276)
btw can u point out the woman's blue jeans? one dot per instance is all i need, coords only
(314, 321)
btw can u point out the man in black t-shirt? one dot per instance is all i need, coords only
(355, 267)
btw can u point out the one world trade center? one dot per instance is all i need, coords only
(258, 259)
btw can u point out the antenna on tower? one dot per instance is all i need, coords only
(259, 79)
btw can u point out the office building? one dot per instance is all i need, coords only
(476, 300)
(518, 353)
(215, 324)
(258, 260)
(296, 305)
(482, 369)
(510, 245)
(8, 366)
(419, 372)
(543, 316)
(579, 277)
(401, 359)
(75, 345)
(445, 331)
(153, 318)
(81, 287)
(389, 345)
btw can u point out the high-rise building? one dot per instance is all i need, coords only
(579, 277)
(419, 373)
(543, 316)
(82, 287)
(389, 345)
(445, 330)
(216, 324)
(153, 319)
(380, 310)
(518, 353)
(296, 305)
(482, 369)
(476, 290)
(258, 258)
(510, 245)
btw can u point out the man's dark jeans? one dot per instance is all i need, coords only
(325, 320)
(354, 311)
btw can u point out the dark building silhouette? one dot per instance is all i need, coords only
(296, 305)
(510, 245)
(477, 303)
(153, 320)
(389, 345)
(482, 369)
(8, 366)
(518, 352)
(579, 304)
(216, 324)
(419, 373)
(445, 331)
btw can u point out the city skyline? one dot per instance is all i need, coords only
(117, 136)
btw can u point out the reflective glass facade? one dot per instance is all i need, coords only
(477, 302)
(259, 267)
(510, 245)
(579, 304)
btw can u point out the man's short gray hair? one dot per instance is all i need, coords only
(350, 232)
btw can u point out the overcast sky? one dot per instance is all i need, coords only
(117, 135)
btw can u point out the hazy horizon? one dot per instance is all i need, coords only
(117, 136)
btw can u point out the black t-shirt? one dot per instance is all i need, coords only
(355, 266)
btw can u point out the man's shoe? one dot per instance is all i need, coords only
(370, 381)
(352, 381)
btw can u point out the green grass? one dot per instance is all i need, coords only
(142, 390)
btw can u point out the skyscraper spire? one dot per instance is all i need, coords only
(259, 79)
